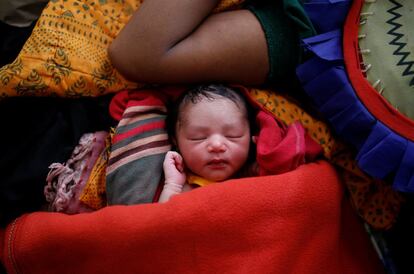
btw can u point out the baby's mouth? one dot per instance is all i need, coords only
(217, 163)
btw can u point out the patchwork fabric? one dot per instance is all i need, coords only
(66, 54)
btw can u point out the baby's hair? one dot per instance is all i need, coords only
(202, 92)
(209, 92)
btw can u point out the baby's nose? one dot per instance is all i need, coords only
(216, 144)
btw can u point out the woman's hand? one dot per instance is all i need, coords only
(174, 168)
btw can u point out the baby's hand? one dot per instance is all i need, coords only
(174, 168)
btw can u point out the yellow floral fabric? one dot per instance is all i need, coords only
(66, 54)
(374, 200)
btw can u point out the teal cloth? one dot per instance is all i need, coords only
(284, 23)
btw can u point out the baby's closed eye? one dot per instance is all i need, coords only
(235, 136)
(197, 138)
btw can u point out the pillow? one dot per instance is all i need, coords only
(66, 54)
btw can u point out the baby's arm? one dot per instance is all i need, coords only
(178, 41)
(175, 177)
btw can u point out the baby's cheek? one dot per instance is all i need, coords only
(241, 156)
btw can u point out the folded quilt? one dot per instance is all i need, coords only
(296, 222)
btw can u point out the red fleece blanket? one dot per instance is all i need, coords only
(296, 222)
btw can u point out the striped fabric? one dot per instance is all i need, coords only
(138, 147)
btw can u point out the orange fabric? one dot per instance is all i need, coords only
(297, 222)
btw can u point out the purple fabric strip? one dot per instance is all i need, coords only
(333, 13)
(326, 85)
(327, 46)
(382, 152)
(406, 171)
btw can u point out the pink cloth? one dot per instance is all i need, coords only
(281, 149)
(65, 182)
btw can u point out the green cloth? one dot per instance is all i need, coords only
(284, 23)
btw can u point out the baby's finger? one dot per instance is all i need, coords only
(180, 167)
(169, 155)
(179, 163)
(169, 160)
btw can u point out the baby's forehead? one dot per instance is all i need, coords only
(229, 114)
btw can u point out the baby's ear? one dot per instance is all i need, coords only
(254, 139)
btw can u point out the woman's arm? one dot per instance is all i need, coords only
(178, 41)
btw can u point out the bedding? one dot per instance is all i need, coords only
(282, 234)
(296, 222)
(52, 63)
(69, 32)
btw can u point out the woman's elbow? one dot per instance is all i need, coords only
(133, 66)
(120, 60)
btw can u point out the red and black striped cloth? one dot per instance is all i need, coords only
(138, 147)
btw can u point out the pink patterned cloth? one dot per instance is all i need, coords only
(65, 182)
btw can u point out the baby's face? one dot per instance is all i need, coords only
(214, 138)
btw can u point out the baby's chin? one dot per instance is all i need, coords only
(219, 177)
